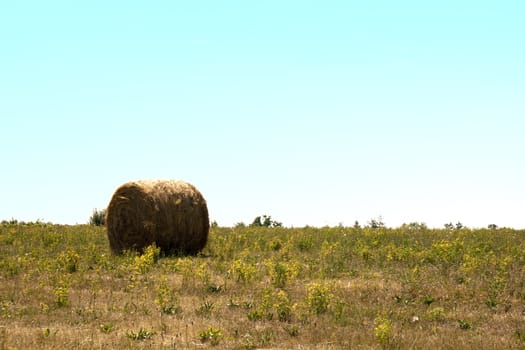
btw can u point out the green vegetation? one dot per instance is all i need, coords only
(258, 286)
(265, 221)
(98, 218)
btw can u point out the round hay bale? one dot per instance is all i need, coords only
(171, 214)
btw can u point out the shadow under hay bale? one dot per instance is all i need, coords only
(171, 214)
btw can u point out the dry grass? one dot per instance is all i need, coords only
(340, 289)
(171, 214)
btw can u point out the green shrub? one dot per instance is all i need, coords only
(98, 217)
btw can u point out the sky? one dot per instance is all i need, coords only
(313, 112)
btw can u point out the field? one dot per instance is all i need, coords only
(257, 287)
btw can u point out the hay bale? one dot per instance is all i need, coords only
(171, 214)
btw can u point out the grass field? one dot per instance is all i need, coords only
(255, 288)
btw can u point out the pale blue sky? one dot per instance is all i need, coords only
(314, 112)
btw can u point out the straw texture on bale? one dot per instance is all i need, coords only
(171, 214)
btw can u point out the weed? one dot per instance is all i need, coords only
(106, 328)
(275, 244)
(144, 262)
(491, 302)
(242, 270)
(61, 293)
(267, 303)
(5, 309)
(248, 343)
(46, 332)
(340, 312)
(167, 299)
(44, 307)
(278, 273)
(69, 260)
(205, 309)
(10, 266)
(318, 297)
(463, 324)
(214, 335)
(255, 315)
(436, 313)
(383, 330)
(185, 267)
(141, 335)
(331, 259)
(365, 253)
(214, 288)
(202, 272)
(266, 336)
(232, 303)
(427, 300)
(293, 331)
(305, 243)
(283, 306)
(281, 272)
